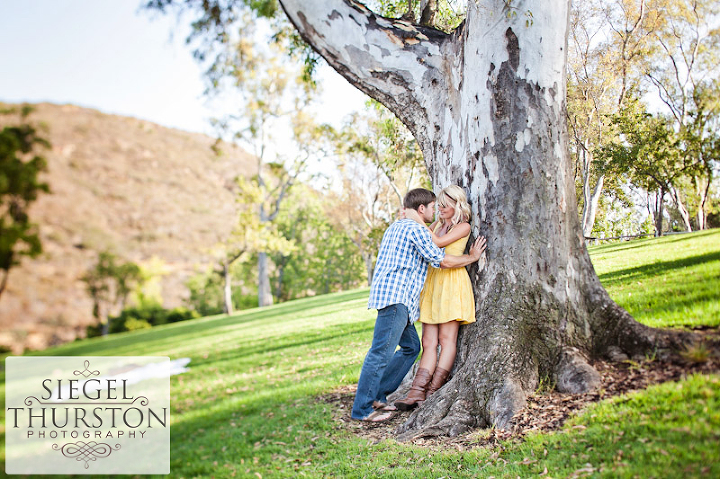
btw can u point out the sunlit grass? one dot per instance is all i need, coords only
(249, 404)
(663, 282)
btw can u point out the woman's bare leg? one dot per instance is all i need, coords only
(448, 344)
(428, 359)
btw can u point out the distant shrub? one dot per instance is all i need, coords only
(133, 324)
(141, 317)
(93, 331)
(181, 314)
(713, 220)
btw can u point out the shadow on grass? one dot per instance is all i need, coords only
(639, 243)
(656, 269)
(272, 433)
(324, 335)
(687, 310)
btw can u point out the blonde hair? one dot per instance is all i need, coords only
(462, 208)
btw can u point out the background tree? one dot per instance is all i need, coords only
(379, 163)
(266, 96)
(654, 156)
(363, 211)
(328, 261)
(701, 138)
(684, 68)
(486, 104)
(273, 97)
(253, 234)
(109, 284)
(20, 185)
(608, 40)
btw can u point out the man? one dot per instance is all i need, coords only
(405, 252)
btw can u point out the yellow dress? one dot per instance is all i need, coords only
(448, 294)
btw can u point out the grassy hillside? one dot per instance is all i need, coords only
(251, 405)
(121, 184)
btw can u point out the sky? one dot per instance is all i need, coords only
(111, 56)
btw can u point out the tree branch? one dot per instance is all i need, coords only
(3, 283)
(392, 61)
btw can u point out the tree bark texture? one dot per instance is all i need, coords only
(591, 196)
(487, 106)
(3, 283)
(680, 205)
(227, 288)
(264, 293)
(658, 211)
(702, 212)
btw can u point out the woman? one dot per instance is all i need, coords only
(446, 300)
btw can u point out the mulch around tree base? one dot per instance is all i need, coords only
(546, 410)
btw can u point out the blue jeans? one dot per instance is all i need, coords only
(384, 368)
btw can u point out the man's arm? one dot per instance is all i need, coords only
(477, 252)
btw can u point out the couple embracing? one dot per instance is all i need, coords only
(403, 291)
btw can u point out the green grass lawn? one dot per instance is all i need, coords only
(669, 281)
(248, 406)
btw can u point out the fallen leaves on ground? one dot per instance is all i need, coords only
(544, 412)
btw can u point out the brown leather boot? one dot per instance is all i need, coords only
(416, 395)
(438, 380)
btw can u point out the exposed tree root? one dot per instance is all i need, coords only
(545, 409)
(493, 382)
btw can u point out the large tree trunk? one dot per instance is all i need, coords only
(486, 105)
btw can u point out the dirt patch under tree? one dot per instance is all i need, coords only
(546, 411)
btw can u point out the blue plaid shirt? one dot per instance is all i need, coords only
(401, 268)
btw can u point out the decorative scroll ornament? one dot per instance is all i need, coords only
(86, 372)
(86, 451)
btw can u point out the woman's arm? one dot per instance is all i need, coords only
(477, 253)
(459, 231)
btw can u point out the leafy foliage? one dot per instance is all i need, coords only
(20, 185)
(206, 290)
(147, 316)
(648, 150)
(327, 261)
(444, 15)
(109, 284)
